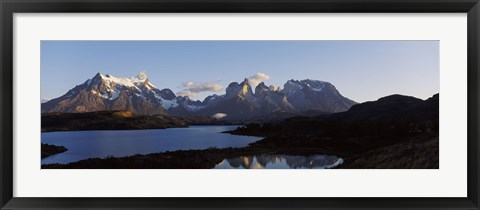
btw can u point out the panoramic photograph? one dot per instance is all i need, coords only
(290, 104)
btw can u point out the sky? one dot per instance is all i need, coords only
(360, 70)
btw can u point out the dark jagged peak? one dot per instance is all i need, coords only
(261, 89)
(262, 86)
(273, 88)
(167, 94)
(233, 84)
(183, 98)
(291, 87)
(187, 102)
(98, 75)
(245, 81)
(245, 87)
(97, 78)
(243, 90)
(211, 97)
(232, 88)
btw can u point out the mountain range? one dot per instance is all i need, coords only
(239, 103)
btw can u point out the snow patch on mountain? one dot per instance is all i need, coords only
(115, 95)
(295, 83)
(168, 104)
(111, 81)
(140, 96)
(110, 94)
(95, 93)
(315, 85)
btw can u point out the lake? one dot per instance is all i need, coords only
(91, 144)
(279, 161)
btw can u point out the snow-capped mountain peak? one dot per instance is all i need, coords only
(140, 78)
(114, 81)
(128, 82)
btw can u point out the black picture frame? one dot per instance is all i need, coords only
(9, 7)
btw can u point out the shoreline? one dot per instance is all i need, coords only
(139, 129)
(49, 150)
(209, 158)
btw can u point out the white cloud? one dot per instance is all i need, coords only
(192, 89)
(188, 84)
(186, 93)
(219, 115)
(257, 78)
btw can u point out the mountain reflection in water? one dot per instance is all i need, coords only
(275, 161)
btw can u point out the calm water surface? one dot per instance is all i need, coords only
(90, 144)
(274, 161)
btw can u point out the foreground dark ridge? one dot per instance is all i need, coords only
(117, 120)
(365, 128)
(392, 132)
(48, 150)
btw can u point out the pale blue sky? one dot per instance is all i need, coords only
(360, 70)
